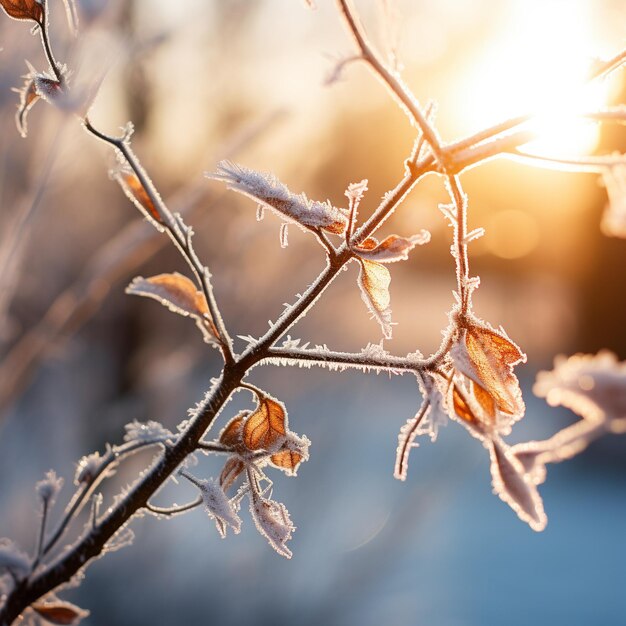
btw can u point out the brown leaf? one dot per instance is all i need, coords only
(23, 9)
(177, 292)
(59, 612)
(231, 434)
(487, 358)
(287, 460)
(374, 280)
(393, 248)
(266, 427)
(486, 401)
(461, 407)
(136, 192)
(231, 470)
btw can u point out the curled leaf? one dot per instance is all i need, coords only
(230, 472)
(219, 508)
(487, 358)
(180, 295)
(374, 280)
(515, 487)
(393, 248)
(59, 612)
(273, 522)
(231, 434)
(293, 451)
(24, 9)
(268, 190)
(137, 193)
(265, 429)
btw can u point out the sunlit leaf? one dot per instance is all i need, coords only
(59, 612)
(487, 357)
(266, 427)
(179, 294)
(137, 193)
(268, 190)
(486, 401)
(462, 407)
(374, 280)
(23, 9)
(393, 248)
(288, 460)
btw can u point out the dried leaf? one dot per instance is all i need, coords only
(218, 507)
(487, 358)
(231, 434)
(462, 407)
(179, 294)
(273, 522)
(59, 612)
(265, 429)
(486, 401)
(23, 9)
(374, 280)
(268, 190)
(230, 472)
(515, 487)
(287, 460)
(393, 248)
(137, 193)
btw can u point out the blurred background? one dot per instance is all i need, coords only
(248, 80)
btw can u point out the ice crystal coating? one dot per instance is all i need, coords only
(12, 559)
(267, 189)
(49, 487)
(273, 522)
(147, 432)
(87, 468)
(218, 506)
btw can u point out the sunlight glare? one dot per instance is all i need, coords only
(537, 64)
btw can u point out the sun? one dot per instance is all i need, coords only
(538, 63)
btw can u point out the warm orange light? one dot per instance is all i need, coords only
(538, 64)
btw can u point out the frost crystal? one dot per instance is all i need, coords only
(267, 189)
(614, 217)
(147, 432)
(273, 522)
(219, 507)
(87, 468)
(12, 559)
(49, 487)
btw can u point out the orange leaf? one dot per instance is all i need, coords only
(461, 407)
(136, 192)
(393, 248)
(487, 358)
(374, 280)
(231, 434)
(266, 427)
(287, 460)
(23, 9)
(58, 612)
(485, 400)
(177, 292)
(231, 470)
